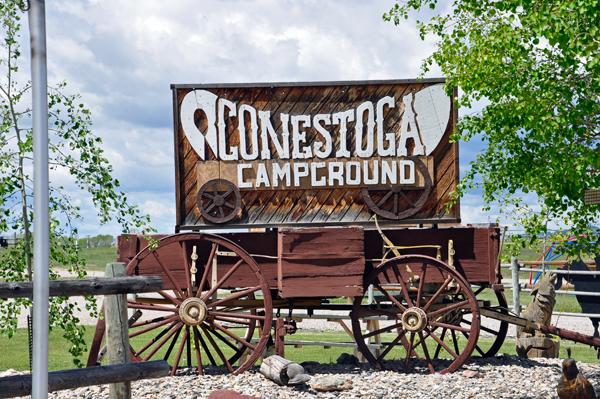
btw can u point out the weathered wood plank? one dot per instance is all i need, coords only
(88, 286)
(20, 385)
(117, 331)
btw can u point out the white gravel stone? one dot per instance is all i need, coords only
(504, 376)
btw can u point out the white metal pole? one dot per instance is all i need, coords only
(41, 248)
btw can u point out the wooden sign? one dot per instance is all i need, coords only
(309, 154)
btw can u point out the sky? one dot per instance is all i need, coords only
(122, 58)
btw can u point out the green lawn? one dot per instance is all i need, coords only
(97, 258)
(15, 352)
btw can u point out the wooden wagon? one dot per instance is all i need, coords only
(318, 191)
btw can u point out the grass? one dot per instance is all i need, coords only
(96, 258)
(15, 351)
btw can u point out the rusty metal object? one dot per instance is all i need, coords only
(394, 209)
(216, 206)
(191, 317)
(423, 314)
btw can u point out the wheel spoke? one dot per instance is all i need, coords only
(155, 320)
(227, 193)
(404, 289)
(410, 203)
(380, 312)
(449, 326)
(232, 335)
(207, 267)
(228, 204)
(448, 308)
(198, 355)
(180, 351)
(210, 208)
(169, 274)
(209, 196)
(223, 339)
(189, 346)
(221, 211)
(437, 293)
(390, 297)
(203, 343)
(148, 306)
(162, 342)
(237, 315)
(172, 345)
(401, 335)
(409, 351)
(153, 326)
(442, 343)
(426, 352)
(233, 297)
(396, 203)
(155, 339)
(216, 348)
(437, 350)
(222, 280)
(382, 330)
(176, 301)
(478, 349)
(220, 318)
(421, 284)
(455, 341)
(385, 197)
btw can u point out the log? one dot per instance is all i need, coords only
(283, 371)
(117, 331)
(88, 286)
(20, 385)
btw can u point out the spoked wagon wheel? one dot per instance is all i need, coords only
(490, 328)
(399, 202)
(214, 298)
(219, 200)
(425, 315)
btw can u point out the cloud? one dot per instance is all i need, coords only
(123, 56)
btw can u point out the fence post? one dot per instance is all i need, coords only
(514, 268)
(117, 331)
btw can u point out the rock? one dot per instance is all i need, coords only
(229, 395)
(346, 358)
(472, 374)
(331, 384)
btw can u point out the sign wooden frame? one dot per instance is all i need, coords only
(314, 154)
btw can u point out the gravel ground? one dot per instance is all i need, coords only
(504, 376)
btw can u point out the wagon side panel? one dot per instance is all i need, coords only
(321, 262)
(476, 249)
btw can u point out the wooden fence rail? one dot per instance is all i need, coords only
(90, 286)
(120, 373)
(20, 385)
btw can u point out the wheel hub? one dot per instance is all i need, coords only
(219, 200)
(414, 320)
(193, 311)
